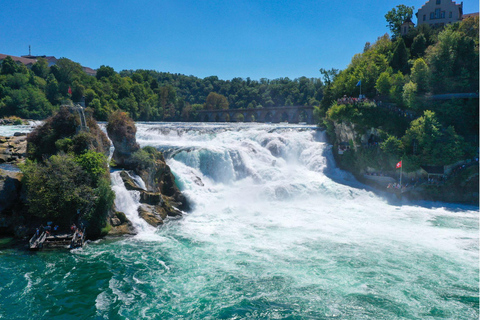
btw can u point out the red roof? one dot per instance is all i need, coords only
(25, 61)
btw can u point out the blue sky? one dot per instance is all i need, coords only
(231, 38)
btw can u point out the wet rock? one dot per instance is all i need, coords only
(152, 198)
(120, 225)
(130, 184)
(13, 149)
(150, 215)
(10, 187)
(121, 130)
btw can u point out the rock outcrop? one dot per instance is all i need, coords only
(13, 149)
(120, 224)
(121, 131)
(160, 197)
(10, 195)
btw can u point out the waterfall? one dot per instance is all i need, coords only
(128, 201)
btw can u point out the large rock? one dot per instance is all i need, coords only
(159, 178)
(13, 149)
(120, 225)
(152, 214)
(121, 130)
(129, 183)
(10, 187)
(153, 198)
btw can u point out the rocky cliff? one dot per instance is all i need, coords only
(161, 196)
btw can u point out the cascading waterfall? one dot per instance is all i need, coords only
(128, 201)
(276, 231)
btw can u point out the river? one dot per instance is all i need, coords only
(276, 232)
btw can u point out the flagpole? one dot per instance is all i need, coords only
(401, 171)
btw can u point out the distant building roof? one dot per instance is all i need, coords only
(25, 61)
(89, 71)
(468, 15)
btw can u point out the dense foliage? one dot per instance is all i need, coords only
(409, 75)
(66, 176)
(144, 94)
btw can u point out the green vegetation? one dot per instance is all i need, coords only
(397, 16)
(66, 176)
(144, 94)
(405, 73)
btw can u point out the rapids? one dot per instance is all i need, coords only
(276, 232)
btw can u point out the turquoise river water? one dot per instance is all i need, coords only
(276, 232)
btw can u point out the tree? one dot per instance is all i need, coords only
(397, 16)
(8, 66)
(399, 60)
(419, 46)
(383, 84)
(104, 72)
(392, 145)
(57, 188)
(420, 75)
(435, 146)
(40, 68)
(410, 95)
(216, 101)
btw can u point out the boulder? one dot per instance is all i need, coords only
(121, 131)
(152, 198)
(13, 149)
(159, 178)
(150, 214)
(130, 184)
(120, 224)
(10, 187)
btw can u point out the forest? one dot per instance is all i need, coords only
(421, 93)
(145, 95)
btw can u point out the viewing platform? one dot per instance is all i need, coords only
(63, 240)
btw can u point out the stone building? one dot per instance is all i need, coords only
(438, 13)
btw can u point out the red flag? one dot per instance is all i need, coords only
(69, 90)
(399, 165)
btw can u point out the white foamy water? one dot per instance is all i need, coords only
(271, 196)
(276, 232)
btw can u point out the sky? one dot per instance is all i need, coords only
(230, 38)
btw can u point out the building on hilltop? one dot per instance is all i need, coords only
(50, 59)
(406, 26)
(438, 13)
(29, 61)
(19, 60)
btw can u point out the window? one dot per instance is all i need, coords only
(450, 14)
(432, 15)
(425, 16)
(443, 14)
(437, 13)
(438, 1)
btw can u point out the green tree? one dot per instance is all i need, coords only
(216, 101)
(8, 66)
(410, 95)
(420, 75)
(397, 16)
(419, 46)
(105, 72)
(433, 145)
(383, 84)
(392, 145)
(40, 68)
(399, 60)
(57, 188)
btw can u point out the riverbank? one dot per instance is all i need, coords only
(460, 186)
